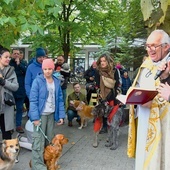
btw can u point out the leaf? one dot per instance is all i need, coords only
(12, 21)
(7, 1)
(41, 31)
(24, 27)
(34, 28)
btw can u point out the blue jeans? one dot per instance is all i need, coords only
(64, 91)
(19, 106)
(72, 114)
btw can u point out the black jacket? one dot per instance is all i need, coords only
(20, 71)
(89, 73)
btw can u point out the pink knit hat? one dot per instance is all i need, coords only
(48, 63)
(94, 63)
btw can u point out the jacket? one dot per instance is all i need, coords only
(126, 83)
(113, 94)
(73, 96)
(32, 71)
(10, 86)
(89, 73)
(65, 74)
(20, 71)
(38, 97)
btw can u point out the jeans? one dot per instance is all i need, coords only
(64, 91)
(19, 109)
(72, 114)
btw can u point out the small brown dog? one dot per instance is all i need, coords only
(53, 152)
(85, 112)
(8, 153)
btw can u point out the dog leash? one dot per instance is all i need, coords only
(39, 128)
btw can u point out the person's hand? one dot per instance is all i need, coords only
(36, 122)
(17, 60)
(148, 104)
(165, 67)
(164, 91)
(79, 108)
(60, 122)
(71, 103)
(91, 78)
(83, 102)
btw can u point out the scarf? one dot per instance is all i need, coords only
(107, 72)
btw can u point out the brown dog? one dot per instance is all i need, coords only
(8, 153)
(85, 112)
(53, 152)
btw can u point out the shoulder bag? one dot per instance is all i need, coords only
(8, 98)
(108, 82)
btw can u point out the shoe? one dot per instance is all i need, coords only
(103, 130)
(24, 114)
(78, 121)
(16, 159)
(70, 124)
(18, 136)
(19, 129)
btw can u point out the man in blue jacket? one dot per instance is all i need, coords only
(34, 69)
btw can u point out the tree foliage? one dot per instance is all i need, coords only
(57, 25)
(126, 27)
(19, 16)
(156, 14)
(82, 21)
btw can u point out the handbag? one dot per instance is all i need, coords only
(108, 82)
(9, 99)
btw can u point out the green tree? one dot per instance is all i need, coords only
(19, 16)
(126, 26)
(78, 21)
(57, 25)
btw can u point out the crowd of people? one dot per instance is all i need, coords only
(148, 135)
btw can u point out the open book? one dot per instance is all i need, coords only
(137, 95)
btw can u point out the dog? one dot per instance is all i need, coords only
(85, 112)
(99, 111)
(53, 152)
(113, 129)
(8, 153)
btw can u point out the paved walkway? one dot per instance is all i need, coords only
(79, 154)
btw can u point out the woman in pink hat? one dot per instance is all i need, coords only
(46, 108)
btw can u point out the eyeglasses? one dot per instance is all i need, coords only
(153, 47)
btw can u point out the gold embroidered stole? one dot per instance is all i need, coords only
(132, 121)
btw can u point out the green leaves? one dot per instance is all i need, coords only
(58, 24)
(7, 1)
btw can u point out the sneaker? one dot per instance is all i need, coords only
(16, 159)
(19, 129)
(24, 114)
(70, 124)
(103, 130)
(18, 136)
